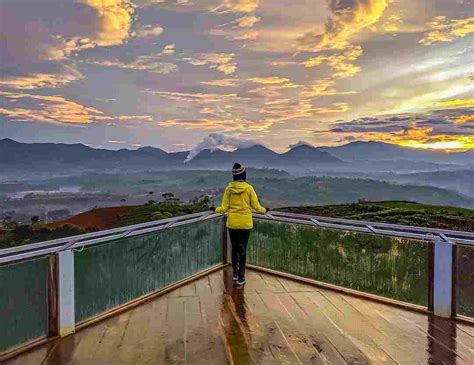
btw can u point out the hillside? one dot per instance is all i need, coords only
(397, 212)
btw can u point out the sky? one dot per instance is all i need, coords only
(169, 73)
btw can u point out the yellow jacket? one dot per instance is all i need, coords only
(239, 200)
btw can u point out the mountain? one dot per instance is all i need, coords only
(372, 151)
(43, 159)
(303, 154)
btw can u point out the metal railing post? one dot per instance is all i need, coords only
(66, 315)
(443, 278)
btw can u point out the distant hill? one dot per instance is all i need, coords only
(22, 159)
(376, 151)
(62, 157)
(397, 212)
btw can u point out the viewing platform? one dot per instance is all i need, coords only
(319, 290)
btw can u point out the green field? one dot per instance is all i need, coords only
(397, 212)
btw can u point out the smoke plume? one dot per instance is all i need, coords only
(215, 140)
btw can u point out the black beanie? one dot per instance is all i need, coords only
(238, 172)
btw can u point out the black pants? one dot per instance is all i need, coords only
(239, 239)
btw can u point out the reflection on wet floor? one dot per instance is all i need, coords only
(269, 320)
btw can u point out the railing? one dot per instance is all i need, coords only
(51, 288)
(429, 268)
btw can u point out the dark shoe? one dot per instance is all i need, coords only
(240, 282)
(235, 278)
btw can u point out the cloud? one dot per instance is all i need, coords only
(216, 140)
(36, 43)
(57, 77)
(323, 87)
(55, 109)
(237, 6)
(442, 29)
(269, 80)
(348, 18)
(222, 62)
(222, 82)
(435, 130)
(299, 144)
(247, 21)
(454, 103)
(151, 63)
(149, 31)
(392, 24)
(341, 63)
(465, 119)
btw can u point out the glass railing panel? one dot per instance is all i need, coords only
(390, 267)
(117, 272)
(465, 281)
(23, 302)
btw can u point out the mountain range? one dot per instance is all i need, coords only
(53, 157)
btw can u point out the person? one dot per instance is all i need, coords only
(239, 200)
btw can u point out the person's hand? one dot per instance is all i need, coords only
(213, 209)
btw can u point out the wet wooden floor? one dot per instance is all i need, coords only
(270, 320)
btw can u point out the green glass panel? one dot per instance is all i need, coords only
(23, 302)
(390, 267)
(117, 272)
(465, 281)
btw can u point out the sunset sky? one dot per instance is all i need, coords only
(167, 73)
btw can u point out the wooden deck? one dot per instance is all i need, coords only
(270, 320)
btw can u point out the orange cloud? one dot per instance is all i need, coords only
(464, 119)
(247, 21)
(269, 80)
(222, 125)
(150, 63)
(442, 29)
(114, 18)
(218, 61)
(237, 6)
(341, 63)
(56, 109)
(40, 80)
(149, 31)
(222, 82)
(348, 18)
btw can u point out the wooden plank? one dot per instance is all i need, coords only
(328, 329)
(273, 283)
(143, 340)
(252, 327)
(195, 346)
(418, 325)
(352, 326)
(212, 337)
(216, 283)
(236, 342)
(311, 334)
(411, 349)
(203, 287)
(294, 286)
(373, 329)
(256, 281)
(298, 342)
(279, 347)
(175, 322)
(107, 351)
(188, 290)
(33, 357)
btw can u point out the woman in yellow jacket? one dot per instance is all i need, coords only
(239, 200)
